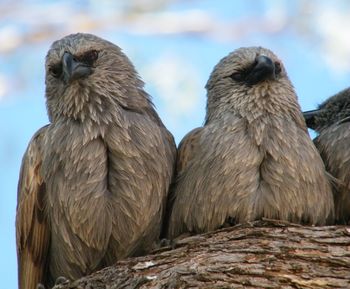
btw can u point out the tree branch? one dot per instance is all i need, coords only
(262, 254)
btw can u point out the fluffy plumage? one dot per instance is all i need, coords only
(93, 182)
(332, 122)
(253, 157)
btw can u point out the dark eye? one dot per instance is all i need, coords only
(238, 76)
(278, 68)
(89, 57)
(55, 70)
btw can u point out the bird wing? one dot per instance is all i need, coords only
(185, 154)
(75, 168)
(187, 148)
(32, 232)
(333, 145)
(141, 164)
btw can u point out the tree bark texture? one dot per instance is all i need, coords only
(262, 254)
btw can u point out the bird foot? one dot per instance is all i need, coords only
(164, 242)
(40, 286)
(61, 280)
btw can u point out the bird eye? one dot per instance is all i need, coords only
(278, 67)
(89, 57)
(238, 76)
(55, 70)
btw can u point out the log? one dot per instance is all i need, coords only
(261, 254)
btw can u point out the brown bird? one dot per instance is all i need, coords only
(253, 157)
(94, 182)
(332, 123)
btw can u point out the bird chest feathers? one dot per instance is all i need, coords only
(253, 169)
(74, 163)
(95, 177)
(270, 134)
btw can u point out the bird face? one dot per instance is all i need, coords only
(262, 68)
(86, 75)
(247, 66)
(73, 67)
(70, 61)
(244, 76)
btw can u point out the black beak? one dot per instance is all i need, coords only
(264, 68)
(309, 117)
(73, 69)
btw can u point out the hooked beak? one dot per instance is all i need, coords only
(264, 68)
(73, 69)
(309, 117)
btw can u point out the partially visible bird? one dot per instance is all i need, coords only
(332, 123)
(253, 157)
(94, 182)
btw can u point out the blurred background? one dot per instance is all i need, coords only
(174, 45)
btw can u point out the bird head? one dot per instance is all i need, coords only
(334, 110)
(88, 77)
(248, 76)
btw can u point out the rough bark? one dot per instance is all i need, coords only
(264, 254)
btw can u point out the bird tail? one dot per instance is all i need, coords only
(32, 266)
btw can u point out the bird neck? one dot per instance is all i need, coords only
(259, 102)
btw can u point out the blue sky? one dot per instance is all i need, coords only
(174, 46)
